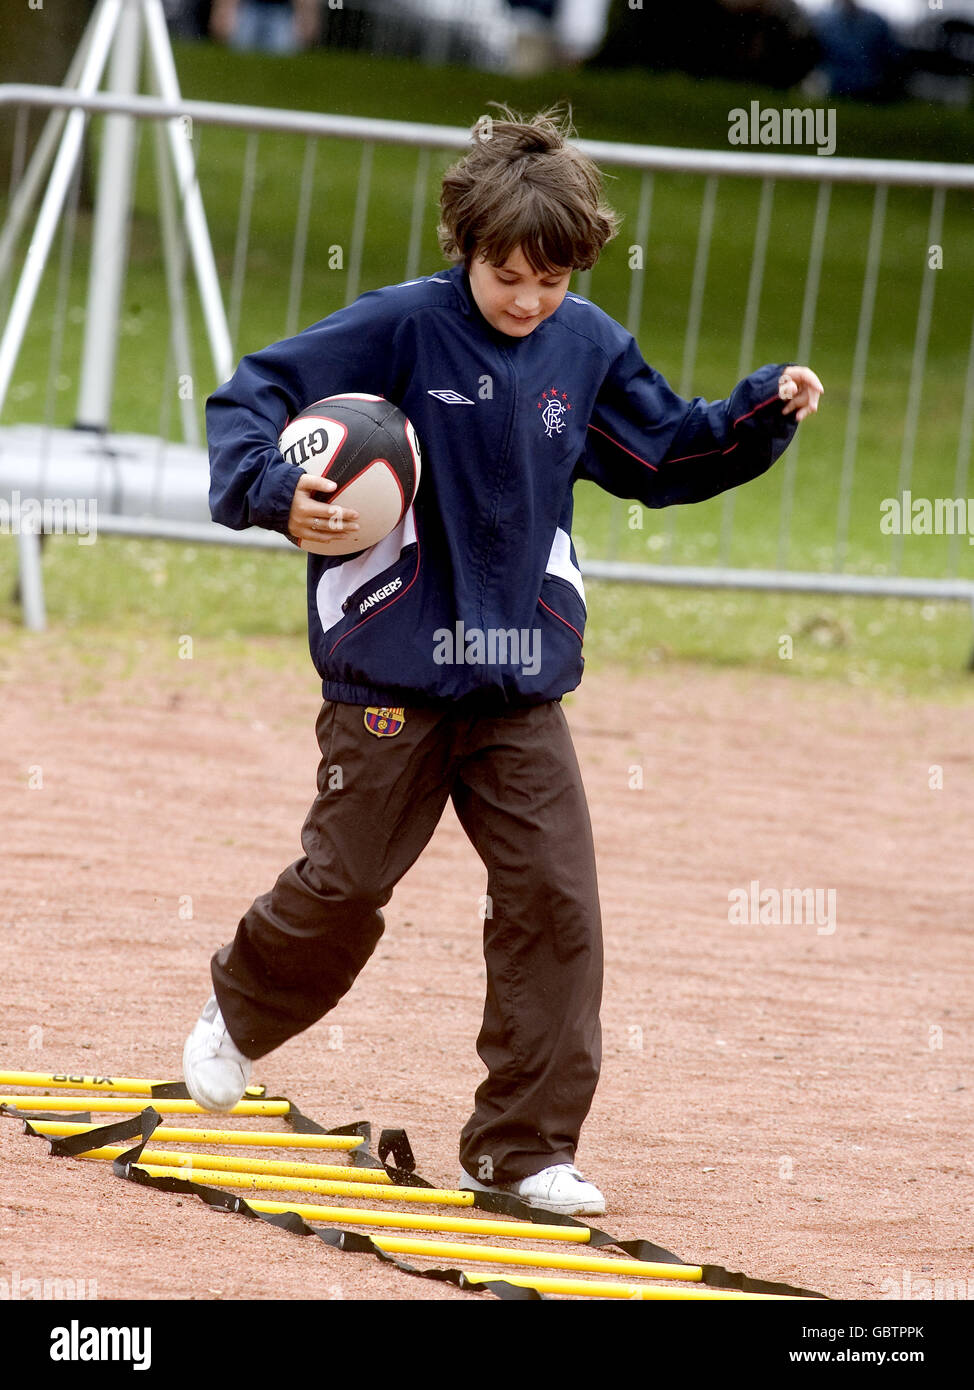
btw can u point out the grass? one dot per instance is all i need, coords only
(123, 584)
(112, 602)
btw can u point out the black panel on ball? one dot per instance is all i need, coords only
(376, 429)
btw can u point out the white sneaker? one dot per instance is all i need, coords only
(215, 1070)
(560, 1188)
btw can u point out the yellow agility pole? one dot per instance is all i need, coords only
(102, 1104)
(137, 1086)
(173, 1158)
(419, 1221)
(407, 1220)
(543, 1259)
(308, 1211)
(589, 1288)
(247, 1138)
(255, 1182)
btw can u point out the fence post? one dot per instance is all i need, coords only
(31, 583)
(109, 241)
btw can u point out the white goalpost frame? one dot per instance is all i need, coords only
(103, 26)
(109, 237)
(113, 41)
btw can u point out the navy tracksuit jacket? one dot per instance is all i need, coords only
(506, 427)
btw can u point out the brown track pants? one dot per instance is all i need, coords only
(515, 785)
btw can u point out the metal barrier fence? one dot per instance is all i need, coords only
(147, 484)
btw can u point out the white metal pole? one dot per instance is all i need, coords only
(174, 260)
(197, 231)
(29, 186)
(47, 219)
(109, 241)
(30, 577)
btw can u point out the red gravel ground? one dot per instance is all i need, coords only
(787, 1100)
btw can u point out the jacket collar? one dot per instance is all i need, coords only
(457, 274)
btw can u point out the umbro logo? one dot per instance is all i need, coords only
(451, 397)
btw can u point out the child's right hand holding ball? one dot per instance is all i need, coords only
(313, 520)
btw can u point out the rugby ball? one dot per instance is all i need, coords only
(366, 446)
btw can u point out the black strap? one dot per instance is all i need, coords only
(70, 1145)
(396, 1142)
(75, 1116)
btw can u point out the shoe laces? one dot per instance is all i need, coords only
(220, 1039)
(552, 1174)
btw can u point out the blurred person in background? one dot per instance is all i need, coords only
(543, 9)
(767, 41)
(533, 46)
(188, 19)
(860, 54)
(267, 26)
(580, 28)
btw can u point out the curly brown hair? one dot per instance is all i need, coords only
(523, 185)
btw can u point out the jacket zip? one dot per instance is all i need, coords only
(499, 492)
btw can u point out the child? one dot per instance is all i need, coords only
(516, 389)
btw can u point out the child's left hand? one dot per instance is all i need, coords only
(801, 388)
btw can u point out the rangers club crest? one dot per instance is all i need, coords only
(383, 721)
(554, 405)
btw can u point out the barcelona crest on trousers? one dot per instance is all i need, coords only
(384, 721)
